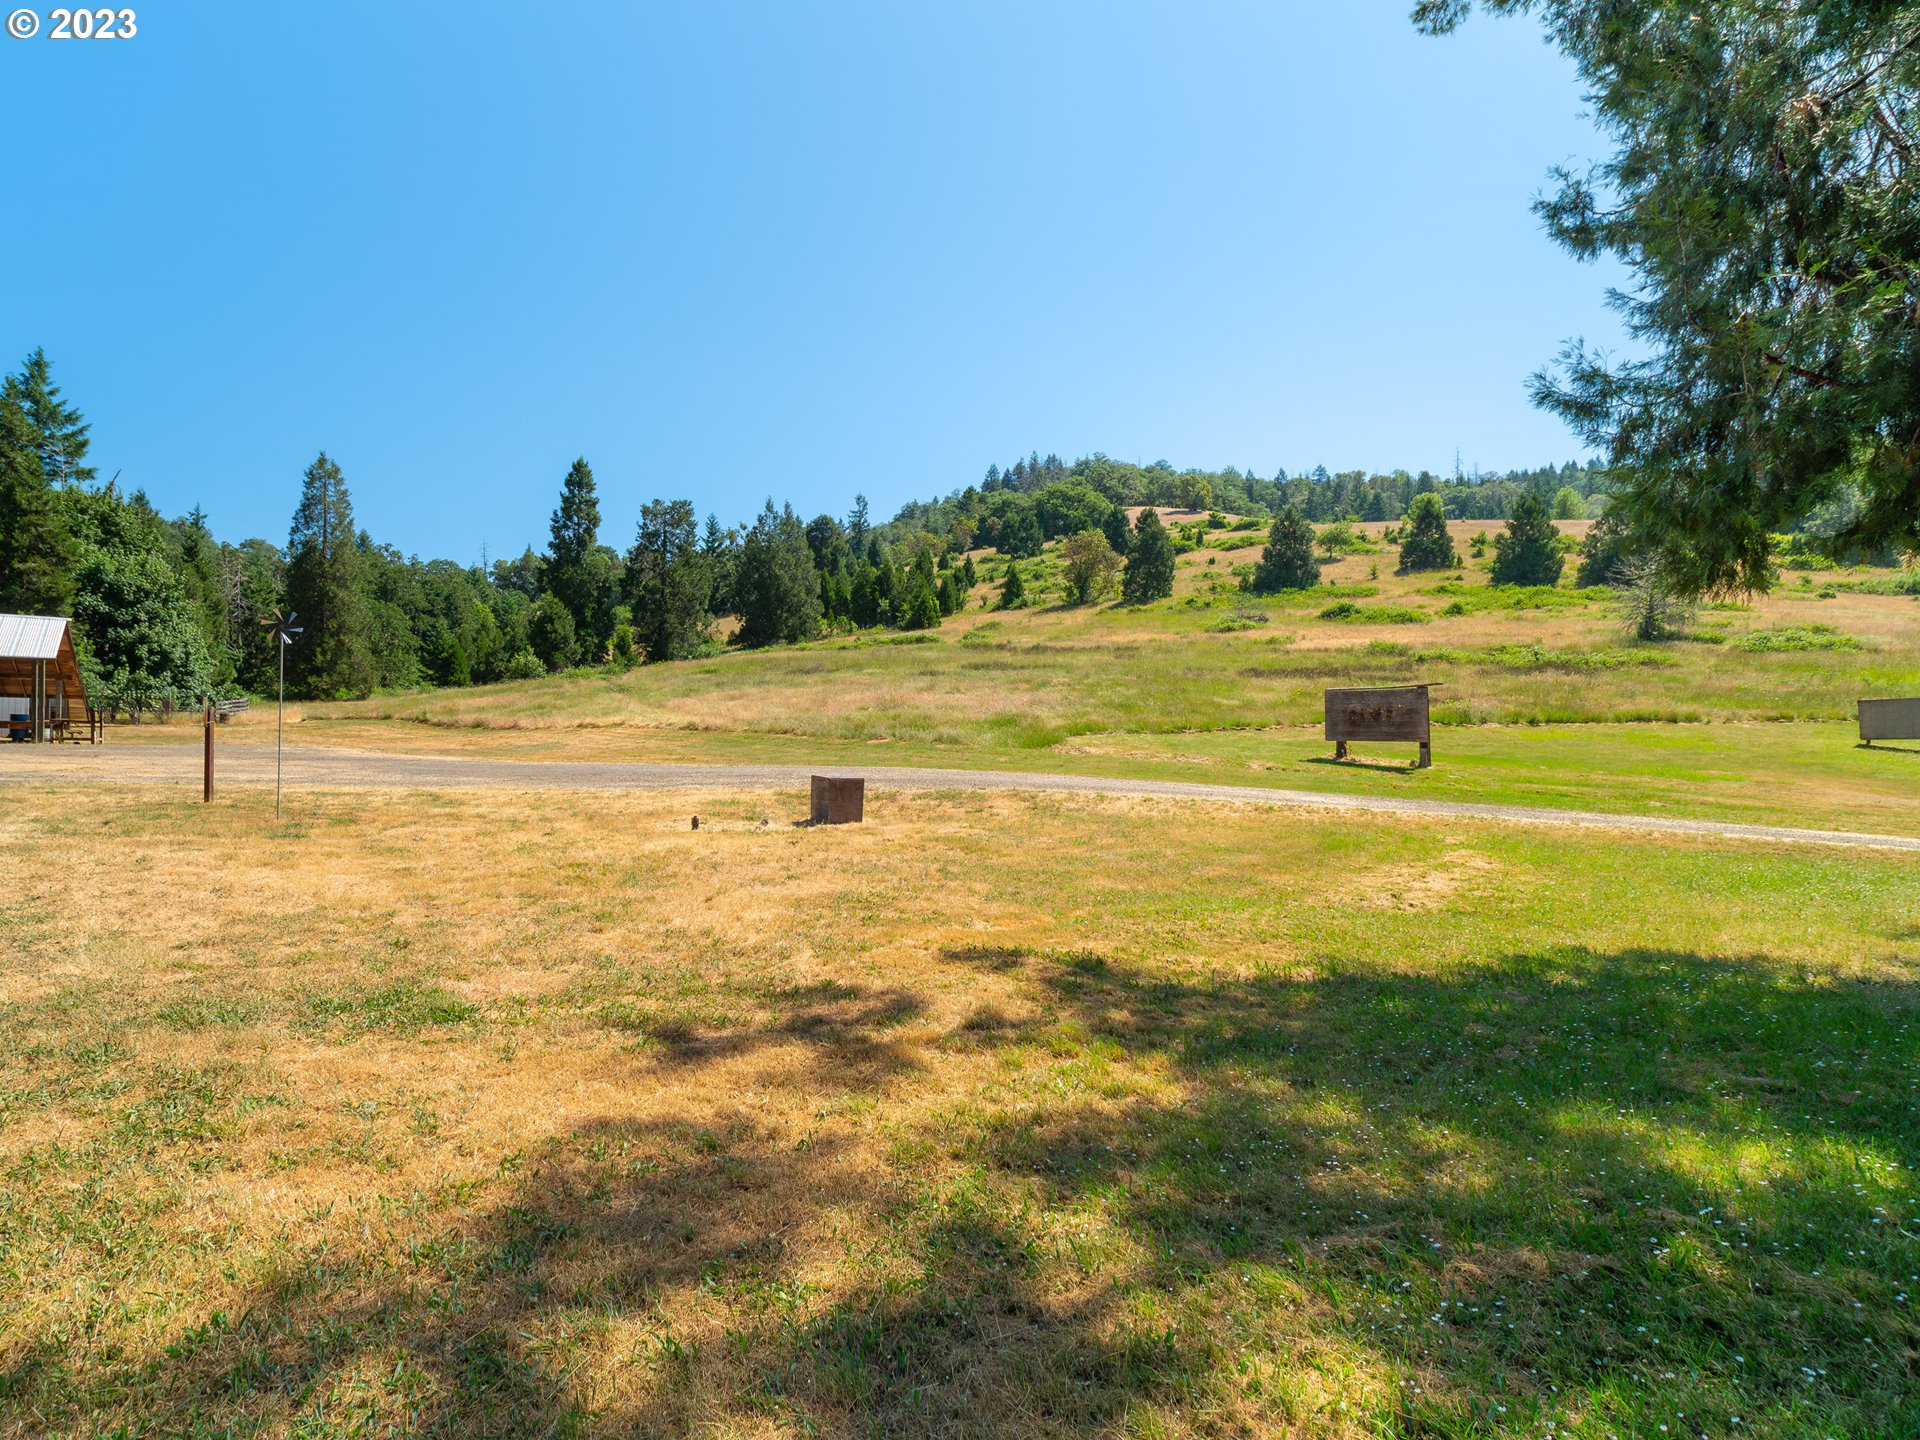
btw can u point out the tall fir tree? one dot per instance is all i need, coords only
(669, 582)
(1424, 541)
(570, 574)
(1149, 573)
(61, 433)
(1288, 562)
(36, 550)
(332, 660)
(1529, 552)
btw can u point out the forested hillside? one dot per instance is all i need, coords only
(166, 612)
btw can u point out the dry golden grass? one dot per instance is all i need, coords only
(999, 1114)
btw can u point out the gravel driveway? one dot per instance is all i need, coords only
(312, 767)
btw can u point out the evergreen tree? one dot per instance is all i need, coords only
(1013, 590)
(60, 432)
(1119, 534)
(1149, 574)
(1424, 541)
(969, 578)
(669, 583)
(1288, 562)
(1605, 552)
(550, 633)
(777, 588)
(570, 574)
(331, 661)
(36, 551)
(949, 594)
(719, 548)
(1529, 552)
(857, 525)
(1762, 191)
(923, 605)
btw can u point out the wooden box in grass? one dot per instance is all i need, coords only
(839, 800)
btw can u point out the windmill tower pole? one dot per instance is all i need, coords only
(280, 725)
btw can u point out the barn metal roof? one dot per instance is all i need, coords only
(31, 637)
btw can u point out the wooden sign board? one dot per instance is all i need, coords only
(1396, 712)
(1889, 720)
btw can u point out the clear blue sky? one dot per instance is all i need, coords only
(733, 250)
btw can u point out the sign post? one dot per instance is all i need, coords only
(283, 631)
(1394, 713)
(206, 780)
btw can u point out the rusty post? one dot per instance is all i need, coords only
(206, 783)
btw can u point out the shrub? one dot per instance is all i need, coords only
(1090, 566)
(1797, 637)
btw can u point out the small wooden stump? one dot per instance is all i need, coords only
(838, 800)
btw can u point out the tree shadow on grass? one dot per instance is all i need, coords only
(1623, 1185)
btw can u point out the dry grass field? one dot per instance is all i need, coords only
(999, 1115)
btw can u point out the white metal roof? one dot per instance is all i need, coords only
(31, 637)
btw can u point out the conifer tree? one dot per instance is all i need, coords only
(325, 586)
(776, 586)
(1529, 552)
(1424, 541)
(1013, 590)
(669, 581)
(60, 432)
(1288, 562)
(923, 605)
(36, 552)
(1149, 574)
(570, 574)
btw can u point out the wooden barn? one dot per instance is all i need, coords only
(42, 696)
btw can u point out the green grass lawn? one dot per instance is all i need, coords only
(998, 1115)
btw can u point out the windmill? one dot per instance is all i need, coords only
(283, 632)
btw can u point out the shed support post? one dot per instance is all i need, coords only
(37, 703)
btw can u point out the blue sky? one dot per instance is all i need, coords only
(733, 250)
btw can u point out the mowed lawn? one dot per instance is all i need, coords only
(998, 1115)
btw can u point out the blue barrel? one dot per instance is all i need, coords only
(20, 727)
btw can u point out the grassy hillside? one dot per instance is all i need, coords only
(934, 1127)
(1549, 702)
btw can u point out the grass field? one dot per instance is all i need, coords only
(1543, 702)
(997, 1115)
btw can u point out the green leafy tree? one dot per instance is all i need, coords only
(1424, 541)
(1149, 573)
(1567, 504)
(570, 573)
(1089, 565)
(669, 582)
(1288, 562)
(325, 586)
(1529, 552)
(1013, 589)
(1762, 192)
(776, 586)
